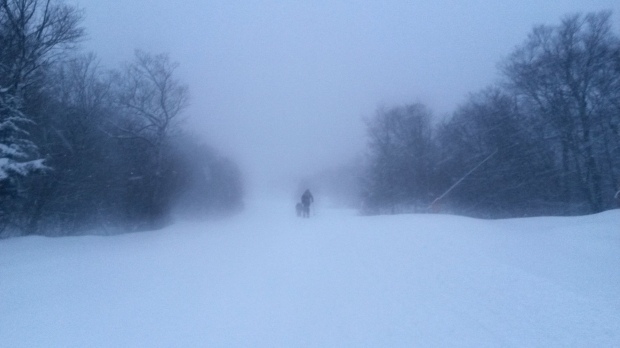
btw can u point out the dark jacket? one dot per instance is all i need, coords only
(307, 198)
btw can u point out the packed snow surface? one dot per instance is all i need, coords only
(270, 279)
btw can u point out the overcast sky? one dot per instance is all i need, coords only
(283, 86)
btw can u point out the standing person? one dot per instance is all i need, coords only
(306, 200)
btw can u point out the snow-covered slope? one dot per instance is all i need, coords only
(269, 279)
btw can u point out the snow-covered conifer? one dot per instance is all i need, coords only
(18, 154)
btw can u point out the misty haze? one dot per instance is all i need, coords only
(309, 173)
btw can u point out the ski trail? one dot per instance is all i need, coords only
(267, 278)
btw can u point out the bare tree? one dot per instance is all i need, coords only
(400, 154)
(151, 98)
(33, 33)
(151, 101)
(513, 173)
(73, 195)
(566, 76)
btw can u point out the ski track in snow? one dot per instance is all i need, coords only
(269, 279)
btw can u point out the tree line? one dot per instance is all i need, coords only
(83, 147)
(544, 140)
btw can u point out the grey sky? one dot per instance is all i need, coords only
(283, 86)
